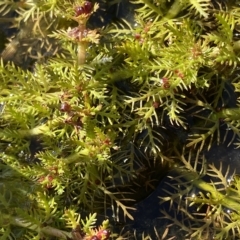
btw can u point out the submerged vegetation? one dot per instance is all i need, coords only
(95, 112)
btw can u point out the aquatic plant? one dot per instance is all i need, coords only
(87, 113)
(206, 199)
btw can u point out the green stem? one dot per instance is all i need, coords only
(175, 9)
(82, 45)
(81, 53)
(229, 113)
(7, 20)
(35, 131)
(216, 196)
(50, 231)
(236, 45)
(45, 129)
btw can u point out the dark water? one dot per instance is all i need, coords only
(148, 215)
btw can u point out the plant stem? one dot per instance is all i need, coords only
(216, 196)
(43, 129)
(81, 53)
(174, 9)
(231, 113)
(50, 231)
(236, 45)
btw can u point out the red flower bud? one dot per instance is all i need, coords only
(94, 238)
(88, 7)
(79, 11)
(137, 36)
(103, 234)
(65, 107)
(85, 9)
(165, 82)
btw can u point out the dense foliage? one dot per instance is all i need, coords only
(91, 115)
